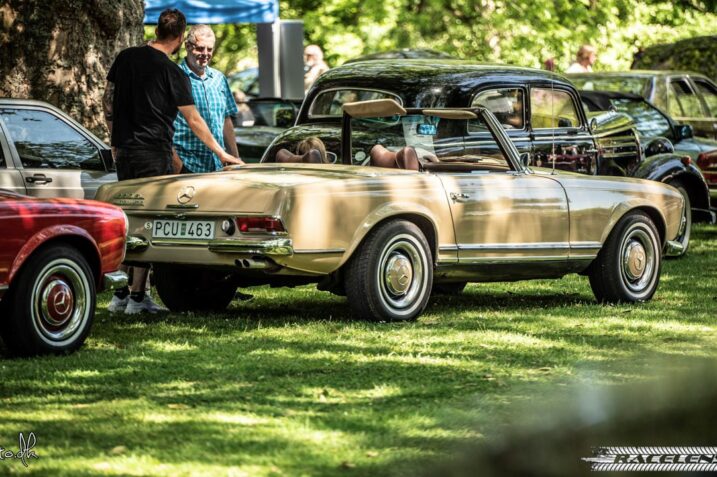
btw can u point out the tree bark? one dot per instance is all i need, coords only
(60, 51)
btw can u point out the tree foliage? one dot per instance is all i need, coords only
(522, 32)
(693, 54)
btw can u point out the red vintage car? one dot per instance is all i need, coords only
(55, 254)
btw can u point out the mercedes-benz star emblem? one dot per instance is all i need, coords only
(185, 195)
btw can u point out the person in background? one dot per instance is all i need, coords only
(549, 64)
(215, 103)
(314, 65)
(584, 60)
(141, 77)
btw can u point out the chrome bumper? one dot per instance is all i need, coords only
(114, 280)
(673, 248)
(274, 247)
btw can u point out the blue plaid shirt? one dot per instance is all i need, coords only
(215, 102)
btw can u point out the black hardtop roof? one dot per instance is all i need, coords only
(635, 74)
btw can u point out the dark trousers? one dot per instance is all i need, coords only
(138, 163)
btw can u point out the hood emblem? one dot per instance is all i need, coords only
(185, 195)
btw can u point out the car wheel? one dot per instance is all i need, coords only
(627, 269)
(50, 304)
(449, 288)
(684, 237)
(389, 277)
(188, 289)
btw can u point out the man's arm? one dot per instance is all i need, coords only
(200, 129)
(107, 99)
(230, 141)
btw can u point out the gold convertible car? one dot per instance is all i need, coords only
(419, 200)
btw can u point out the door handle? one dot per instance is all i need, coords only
(459, 197)
(38, 179)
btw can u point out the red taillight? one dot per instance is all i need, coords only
(707, 162)
(259, 225)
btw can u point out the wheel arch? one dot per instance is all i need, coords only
(422, 220)
(76, 239)
(696, 189)
(651, 212)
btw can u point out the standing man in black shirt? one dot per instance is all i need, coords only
(145, 90)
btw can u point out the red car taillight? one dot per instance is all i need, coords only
(259, 225)
(707, 162)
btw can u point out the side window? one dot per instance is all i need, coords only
(709, 94)
(44, 140)
(505, 104)
(551, 108)
(329, 103)
(684, 96)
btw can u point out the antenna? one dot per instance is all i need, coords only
(552, 118)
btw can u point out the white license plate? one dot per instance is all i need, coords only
(184, 229)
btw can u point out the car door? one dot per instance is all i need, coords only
(558, 131)
(56, 158)
(708, 93)
(501, 213)
(686, 106)
(10, 177)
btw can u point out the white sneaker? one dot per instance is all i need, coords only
(135, 307)
(117, 304)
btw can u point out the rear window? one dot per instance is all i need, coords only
(328, 103)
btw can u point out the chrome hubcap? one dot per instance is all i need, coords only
(60, 304)
(639, 260)
(399, 274)
(402, 275)
(634, 260)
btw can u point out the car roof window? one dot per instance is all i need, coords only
(552, 108)
(709, 94)
(688, 101)
(327, 104)
(506, 104)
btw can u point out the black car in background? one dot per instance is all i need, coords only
(259, 121)
(659, 132)
(541, 112)
(689, 98)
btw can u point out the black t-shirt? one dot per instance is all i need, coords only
(148, 90)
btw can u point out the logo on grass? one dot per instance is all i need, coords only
(26, 449)
(640, 459)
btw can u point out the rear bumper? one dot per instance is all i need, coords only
(279, 247)
(114, 280)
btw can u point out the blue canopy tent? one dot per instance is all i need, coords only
(280, 43)
(216, 11)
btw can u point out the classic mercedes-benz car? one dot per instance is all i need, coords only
(55, 254)
(414, 202)
(540, 111)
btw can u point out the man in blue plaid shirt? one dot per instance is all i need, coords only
(215, 103)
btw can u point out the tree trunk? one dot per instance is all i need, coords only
(60, 51)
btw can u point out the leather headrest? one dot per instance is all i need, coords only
(313, 156)
(407, 158)
(382, 157)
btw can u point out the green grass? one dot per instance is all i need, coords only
(288, 384)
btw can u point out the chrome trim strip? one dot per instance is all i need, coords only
(448, 248)
(114, 280)
(517, 260)
(583, 245)
(182, 206)
(321, 251)
(515, 246)
(583, 256)
(276, 247)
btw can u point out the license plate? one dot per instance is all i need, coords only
(184, 229)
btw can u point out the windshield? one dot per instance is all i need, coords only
(648, 120)
(439, 143)
(621, 84)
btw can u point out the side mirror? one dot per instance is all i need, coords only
(684, 131)
(525, 159)
(107, 160)
(659, 145)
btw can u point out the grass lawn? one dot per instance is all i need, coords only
(287, 384)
